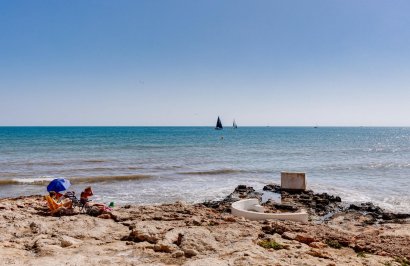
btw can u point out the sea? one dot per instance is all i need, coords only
(150, 165)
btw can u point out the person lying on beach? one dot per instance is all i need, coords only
(88, 192)
(84, 198)
(95, 209)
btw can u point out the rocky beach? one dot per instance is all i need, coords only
(337, 233)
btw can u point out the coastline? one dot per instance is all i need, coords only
(181, 161)
(205, 234)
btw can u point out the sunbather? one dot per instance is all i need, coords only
(95, 209)
(57, 196)
(64, 207)
(88, 192)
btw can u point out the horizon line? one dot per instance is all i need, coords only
(314, 126)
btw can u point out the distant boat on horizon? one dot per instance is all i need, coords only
(218, 124)
(234, 125)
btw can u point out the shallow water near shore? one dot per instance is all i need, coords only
(193, 164)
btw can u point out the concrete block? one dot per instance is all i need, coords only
(293, 181)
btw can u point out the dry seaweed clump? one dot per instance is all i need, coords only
(333, 243)
(361, 254)
(270, 244)
(402, 261)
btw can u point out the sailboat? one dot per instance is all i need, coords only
(218, 124)
(234, 124)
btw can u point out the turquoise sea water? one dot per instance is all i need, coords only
(164, 164)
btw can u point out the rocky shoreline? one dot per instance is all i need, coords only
(206, 234)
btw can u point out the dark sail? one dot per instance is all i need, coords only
(234, 124)
(219, 124)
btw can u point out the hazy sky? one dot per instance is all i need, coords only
(185, 62)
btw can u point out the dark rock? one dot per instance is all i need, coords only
(394, 216)
(338, 199)
(320, 206)
(273, 188)
(286, 207)
(179, 240)
(240, 192)
(241, 188)
(387, 216)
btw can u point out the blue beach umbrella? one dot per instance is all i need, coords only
(58, 184)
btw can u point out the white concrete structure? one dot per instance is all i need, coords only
(293, 181)
(252, 210)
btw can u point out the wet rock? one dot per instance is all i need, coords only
(285, 207)
(241, 188)
(317, 205)
(366, 207)
(377, 213)
(338, 199)
(394, 216)
(240, 192)
(273, 188)
(322, 206)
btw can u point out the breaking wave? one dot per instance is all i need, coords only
(94, 161)
(366, 166)
(95, 179)
(74, 180)
(213, 172)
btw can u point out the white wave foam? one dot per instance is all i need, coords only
(35, 180)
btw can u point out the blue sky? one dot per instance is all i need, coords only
(185, 62)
